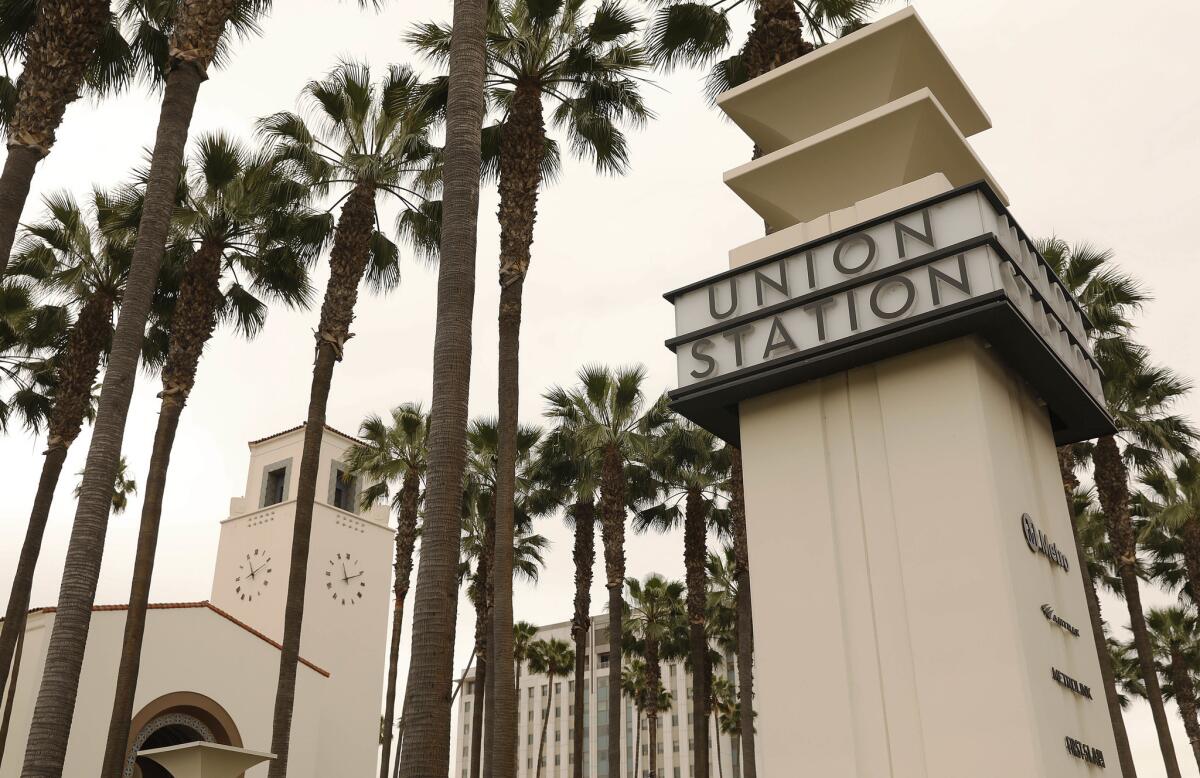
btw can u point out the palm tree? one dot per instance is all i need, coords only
(723, 704)
(124, 486)
(1098, 569)
(1139, 397)
(528, 560)
(654, 618)
(1173, 532)
(72, 256)
(745, 613)
(69, 47)
(394, 452)
(241, 218)
(1126, 670)
(479, 522)
(483, 479)
(371, 141)
(573, 476)
(691, 476)
(609, 416)
(196, 34)
(634, 685)
(431, 666)
(33, 335)
(721, 604)
(1110, 297)
(1176, 641)
(692, 32)
(523, 634)
(554, 659)
(539, 53)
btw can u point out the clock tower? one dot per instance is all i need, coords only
(347, 593)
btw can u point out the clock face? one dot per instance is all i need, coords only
(344, 579)
(253, 575)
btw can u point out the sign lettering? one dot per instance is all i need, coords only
(1066, 681)
(1054, 618)
(878, 276)
(1039, 544)
(1085, 752)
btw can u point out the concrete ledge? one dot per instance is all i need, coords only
(895, 144)
(886, 60)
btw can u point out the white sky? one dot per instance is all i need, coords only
(1096, 116)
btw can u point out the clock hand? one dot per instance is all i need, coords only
(344, 577)
(351, 578)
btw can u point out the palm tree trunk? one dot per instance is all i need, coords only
(653, 684)
(406, 537)
(637, 744)
(80, 364)
(347, 262)
(1185, 696)
(482, 677)
(745, 618)
(517, 696)
(545, 726)
(585, 557)
(55, 707)
(1066, 466)
(12, 694)
(1112, 484)
(717, 737)
(193, 322)
(612, 530)
(481, 695)
(426, 749)
(521, 148)
(1190, 535)
(15, 181)
(198, 28)
(489, 646)
(1111, 697)
(60, 44)
(18, 601)
(694, 550)
(774, 39)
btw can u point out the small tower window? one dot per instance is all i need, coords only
(275, 483)
(343, 489)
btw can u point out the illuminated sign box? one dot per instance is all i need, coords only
(949, 266)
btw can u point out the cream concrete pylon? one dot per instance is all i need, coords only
(205, 760)
(897, 364)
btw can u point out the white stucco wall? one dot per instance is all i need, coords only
(336, 720)
(186, 649)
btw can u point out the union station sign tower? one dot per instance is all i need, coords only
(897, 363)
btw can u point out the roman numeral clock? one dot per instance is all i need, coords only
(253, 575)
(344, 579)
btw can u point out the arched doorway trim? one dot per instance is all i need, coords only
(173, 720)
(204, 710)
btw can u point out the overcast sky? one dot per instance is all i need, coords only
(1097, 121)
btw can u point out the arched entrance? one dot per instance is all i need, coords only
(174, 719)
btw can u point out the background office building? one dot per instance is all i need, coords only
(536, 696)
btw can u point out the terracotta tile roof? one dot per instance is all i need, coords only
(301, 426)
(197, 604)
